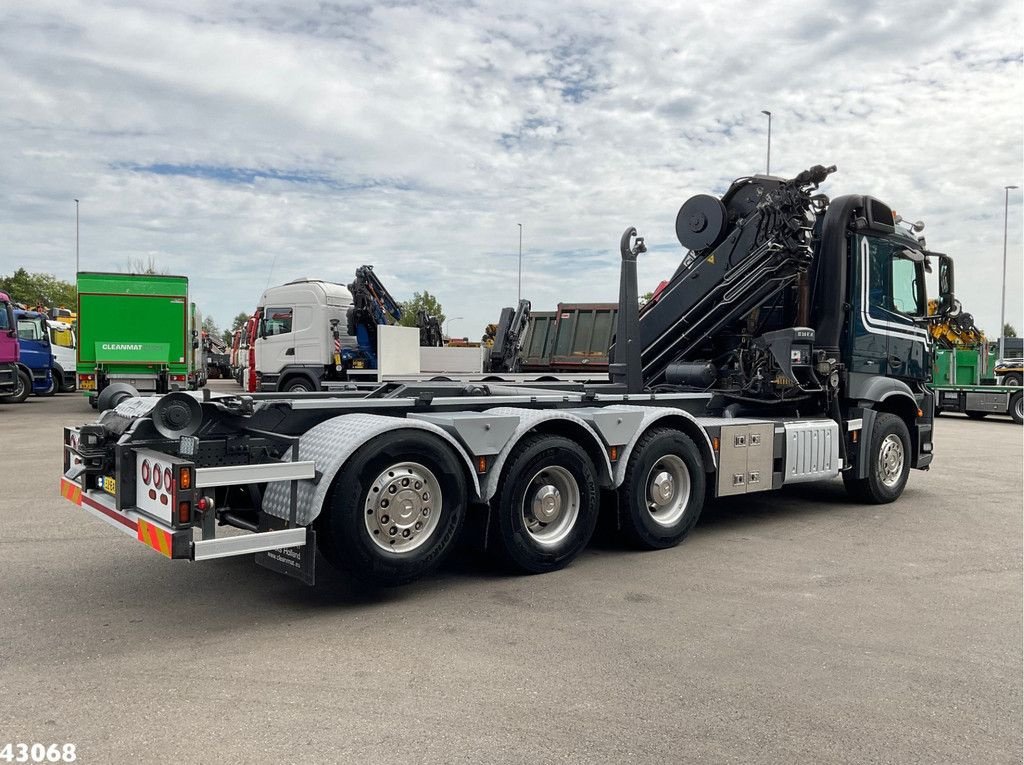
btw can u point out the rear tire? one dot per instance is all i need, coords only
(662, 495)
(376, 523)
(1017, 407)
(889, 463)
(547, 505)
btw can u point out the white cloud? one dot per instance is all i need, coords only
(425, 132)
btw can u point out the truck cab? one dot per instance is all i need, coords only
(36, 354)
(63, 343)
(302, 327)
(9, 352)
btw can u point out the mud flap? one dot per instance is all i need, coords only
(296, 562)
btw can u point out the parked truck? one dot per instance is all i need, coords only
(133, 329)
(36, 363)
(964, 382)
(791, 347)
(10, 375)
(64, 344)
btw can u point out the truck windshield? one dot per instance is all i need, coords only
(5, 315)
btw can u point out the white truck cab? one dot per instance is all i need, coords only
(295, 340)
(63, 344)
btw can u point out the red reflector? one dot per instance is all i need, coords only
(158, 475)
(202, 504)
(163, 499)
(184, 512)
(167, 479)
(145, 472)
(152, 493)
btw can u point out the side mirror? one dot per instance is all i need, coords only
(947, 300)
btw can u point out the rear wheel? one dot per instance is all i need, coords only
(395, 508)
(663, 492)
(1017, 407)
(888, 462)
(547, 505)
(1014, 378)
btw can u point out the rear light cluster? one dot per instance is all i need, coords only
(177, 378)
(161, 485)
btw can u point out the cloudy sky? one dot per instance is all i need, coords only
(242, 143)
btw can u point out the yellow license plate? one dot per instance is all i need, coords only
(109, 485)
(87, 385)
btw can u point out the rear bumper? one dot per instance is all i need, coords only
(171, 543)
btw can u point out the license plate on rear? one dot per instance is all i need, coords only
(109, 485)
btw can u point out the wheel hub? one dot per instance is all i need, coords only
(890, 460)
(402, 505)
(668, 490)
(551, 505)
(547, 503)
(663, 489)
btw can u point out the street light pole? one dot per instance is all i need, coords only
(519, 292)
(77, 269)
(1002, 304)
(768, 159)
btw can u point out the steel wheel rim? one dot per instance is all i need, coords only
(890, 460)
(403, 507)
(551, 505)
(668, 490)
(1019, 407)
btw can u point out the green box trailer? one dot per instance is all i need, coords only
(133, 328)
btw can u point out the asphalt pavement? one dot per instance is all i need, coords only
(792, 627)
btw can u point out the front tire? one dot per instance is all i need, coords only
(23, 390)
(395, 509)
(298, 385)
(662, 495)
(1017, 407)
(1012, 379)
(547, 504)
(889, 463)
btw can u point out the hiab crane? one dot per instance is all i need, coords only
(790, 346)
(505, 352)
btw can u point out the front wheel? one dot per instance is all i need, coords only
(888, 463)
(663, 492)
(1014, 378)
(395, 508)
(1017, 407)
(547, 504)
(298, 385)
(22, 391)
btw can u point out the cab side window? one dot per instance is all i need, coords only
(29, 329)
(277, 321)
(4, 319)
(894, 283)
